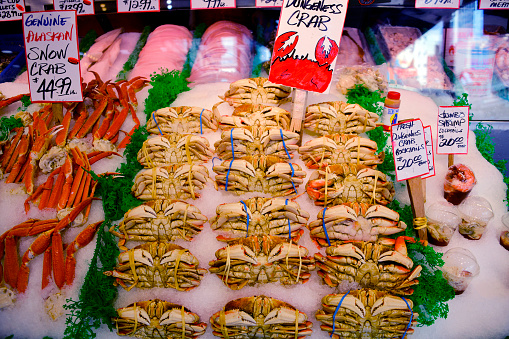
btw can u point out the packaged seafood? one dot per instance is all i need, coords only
(458, 183)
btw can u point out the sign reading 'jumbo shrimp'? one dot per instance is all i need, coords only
(307, 43)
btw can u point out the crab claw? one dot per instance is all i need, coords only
(284, 315)
(39, 246)
(139, 255)
(134, 313)
(238, 318)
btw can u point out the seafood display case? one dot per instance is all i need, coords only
(232, 225)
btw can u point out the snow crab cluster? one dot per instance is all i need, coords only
(160, 220)
(259, 216)
(158, 319)
(382, 265)
(338, 184)
(354, 221)
(261, 259)
(366, 314)
(339, 117)
(157, 264)
(340, 149)
(256, 91)
(260, 317)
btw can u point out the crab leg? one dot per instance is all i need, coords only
(46, 194)
(6, 158)
(8, 101)
(39, 246)
(116, 124)
(61, 137)
(79, 123)
(11, 261)
(46, 268)
(99, 133)
(20, 159)
(80, 241)
(93, 118)
(76, 184)
(64, 183)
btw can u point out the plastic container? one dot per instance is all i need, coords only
(391, 108)
(443, 219)
(476, 213)
(460, 267)
(504, 236)
(458, 183)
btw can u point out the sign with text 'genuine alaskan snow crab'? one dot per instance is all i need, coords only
(128, 6)
(53, 62)
(307, 43)
(409, 147)
(11, 10)
(82, 7)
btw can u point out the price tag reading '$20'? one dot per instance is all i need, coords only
(409, 147)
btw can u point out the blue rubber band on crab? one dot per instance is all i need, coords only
(213, 160)
(227, 174)
(284, 145)
(293, 172)
(289, 227)
(154, 117)
(336, 312)
(411, 317)
(201, 125)
(247, 215)
(323, 226)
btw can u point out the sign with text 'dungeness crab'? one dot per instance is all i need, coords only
(307, 43)
(53, 62)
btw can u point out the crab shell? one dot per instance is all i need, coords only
(383, 265)
(161, 220)
(260, 317)
(172, 149)
(170, 182)
(259, 260)
(148, 319)
(375, 314)
(158, 264)
(354, 221)
(266, 174)
(343, 183)
(247, 115)
(271, 216)
(182, 119)
(255, 91)
(339, 117)
(339, 149)
(256, 141)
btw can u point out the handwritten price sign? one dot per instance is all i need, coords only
(307, 43)
(429, 148)
(125, 6)
(494, 4)
(82, 7)
(51, 49)
(11, 10)
(269, 3)
(437, 4)
(409, 147)
(208, 4)
(452, 130)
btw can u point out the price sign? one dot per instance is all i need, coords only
(429, 148)
(437, 4)
(11, 10)
(205, 4)
(307, 43)
(82, 7)
(494, 4)
(51, 50)
(126, 6)
(452, 130)
(409, 147)
(269, 3)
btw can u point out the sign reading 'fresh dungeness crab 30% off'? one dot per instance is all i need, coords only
(409, 147)
(307, 43)
(53, 62)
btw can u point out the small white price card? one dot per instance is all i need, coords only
(494, 4)
(205, 4)
(11, 10)
(269, 3)
(409, 147)
(429, 148)
(307, 43)
(452, 130)
(127, 6)
(51, 50)
(82, 7)
(437, 4)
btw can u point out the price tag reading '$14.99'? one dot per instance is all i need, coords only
(409, 147)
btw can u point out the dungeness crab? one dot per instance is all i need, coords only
(247, 115)
(260, 317)
(182, 119)
(256, 91)
(259, 260)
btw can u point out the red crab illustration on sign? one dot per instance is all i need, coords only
(288, 68)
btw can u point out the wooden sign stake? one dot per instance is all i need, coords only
(58, 111)
(415, 192)
(298, 111)
(450, 160)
